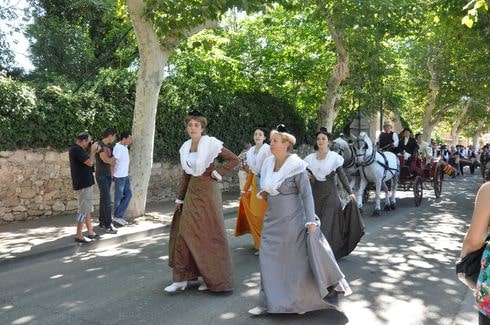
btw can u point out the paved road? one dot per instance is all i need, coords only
(401, 273)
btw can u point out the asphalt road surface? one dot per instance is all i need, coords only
(402, 272)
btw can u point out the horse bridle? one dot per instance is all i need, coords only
(347, 164)
(368, 161)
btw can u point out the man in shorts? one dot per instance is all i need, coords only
(81, 165)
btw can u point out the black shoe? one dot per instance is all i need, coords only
(85, 240)
(94, 236)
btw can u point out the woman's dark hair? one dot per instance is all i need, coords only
(264, 130)
(323, 130)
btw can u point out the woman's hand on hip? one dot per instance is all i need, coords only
(312, 228)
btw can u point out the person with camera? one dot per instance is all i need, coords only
(104, 168)
(82, 178)
(473, 241)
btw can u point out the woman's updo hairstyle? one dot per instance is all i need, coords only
(323, 130)
(284, 134)
(196, 116)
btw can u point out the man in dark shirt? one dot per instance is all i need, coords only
(104, 168)
(388, 140)
(407, 146)
(82, 179)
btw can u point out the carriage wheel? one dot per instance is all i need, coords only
(418, 191)
(437, 181)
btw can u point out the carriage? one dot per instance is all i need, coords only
(415, 173)
(386, 171)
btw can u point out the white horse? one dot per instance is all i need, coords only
(346, 150)
(376, 167)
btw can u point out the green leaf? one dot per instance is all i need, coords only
(467, 21)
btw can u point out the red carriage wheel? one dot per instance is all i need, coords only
(418, 191)
(437, 181)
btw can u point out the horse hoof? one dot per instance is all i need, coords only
(387, 208)
(376, 213)
(393, 206)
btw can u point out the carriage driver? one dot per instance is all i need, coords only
(388, 140)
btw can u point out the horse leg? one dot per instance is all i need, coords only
(387, 196)
(394, 184)
(360, 190)
(377, 200)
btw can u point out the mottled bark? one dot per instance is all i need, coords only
(456, 124)
(153, 58)
(327, 112)
(429, 120)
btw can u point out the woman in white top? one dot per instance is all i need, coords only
(250, 215)
(323, 165)
(294, 278)
(198, 244)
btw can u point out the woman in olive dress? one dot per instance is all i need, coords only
(198, 243)
(323, 165)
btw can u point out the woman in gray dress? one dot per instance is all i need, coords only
(323, 164)
(294, 278)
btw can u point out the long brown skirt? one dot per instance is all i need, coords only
(200, 247)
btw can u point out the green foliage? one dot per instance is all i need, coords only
(31, 118)
(73, 39)
(18, 106)
(232, 118)
(53, 116)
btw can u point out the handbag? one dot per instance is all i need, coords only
(468, 267)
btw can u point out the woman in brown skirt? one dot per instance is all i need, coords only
(198, 239)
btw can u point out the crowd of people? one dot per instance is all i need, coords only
(455, 157)
(281, 206)
(290, 206)
(111, 165)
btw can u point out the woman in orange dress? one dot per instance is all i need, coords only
(250, 215)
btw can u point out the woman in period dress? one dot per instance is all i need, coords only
(250, 214)
(323, 164)
(198, 245)
(294, 278)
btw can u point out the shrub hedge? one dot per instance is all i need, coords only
(51, 117)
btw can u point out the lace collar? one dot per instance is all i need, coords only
(207, 150)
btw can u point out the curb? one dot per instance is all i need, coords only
(66, 246)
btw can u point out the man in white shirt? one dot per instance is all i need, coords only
(425, 150)
(388, 140)
(122, 186)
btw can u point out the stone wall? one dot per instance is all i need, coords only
(37, 184)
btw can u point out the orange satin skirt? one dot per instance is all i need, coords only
(251, 212)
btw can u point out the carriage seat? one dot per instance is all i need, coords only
(407, 170)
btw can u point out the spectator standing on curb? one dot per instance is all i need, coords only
(83, 180)
(122, 186)
(103, 173)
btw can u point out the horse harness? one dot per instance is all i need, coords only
(386, 167)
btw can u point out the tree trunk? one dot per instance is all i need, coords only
(153, 58)
(150, 78)
(476, 136)
(428, 121)
(457, 123)
(327, 111)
